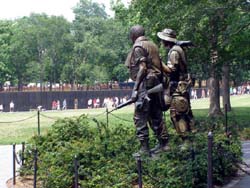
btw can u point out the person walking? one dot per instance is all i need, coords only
(64, 107)
(12, 106)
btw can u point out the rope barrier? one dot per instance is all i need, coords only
(19, 120)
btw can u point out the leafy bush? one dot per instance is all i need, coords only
(245, 134)
(105, 157)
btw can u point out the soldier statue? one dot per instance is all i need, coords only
(179, 83)
(144, 66)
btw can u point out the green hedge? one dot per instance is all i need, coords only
(105, 157)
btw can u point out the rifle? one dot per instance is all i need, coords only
(184, 43)
(156, 89)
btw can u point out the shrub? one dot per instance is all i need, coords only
(105, 157)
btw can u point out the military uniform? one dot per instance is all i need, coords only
(179, 85)
(180, 82)
(147, 107)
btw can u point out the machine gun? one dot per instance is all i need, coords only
(156, 89)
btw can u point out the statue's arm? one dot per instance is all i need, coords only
(141, 61)
(173, 61)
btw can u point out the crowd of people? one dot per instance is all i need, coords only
(110, 102)
(242, 89)
(35, 87)
(11, 106)
(56, 105)
(107, 102)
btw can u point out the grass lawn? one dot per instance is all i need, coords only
(18, 127)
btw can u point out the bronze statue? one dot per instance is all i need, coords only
(177, 92)
(144, 66)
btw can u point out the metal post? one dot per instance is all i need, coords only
(226, 129)
(139, 168)
(107, 116)
(209, 161)
(38, 122)
(35, 167)
(14, 164)
(23, 148)
(76, 172)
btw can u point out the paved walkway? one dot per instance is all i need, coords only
(243, 181)
(6, 166)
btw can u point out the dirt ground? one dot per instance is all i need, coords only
(21, 182)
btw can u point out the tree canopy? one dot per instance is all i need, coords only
(49, 49)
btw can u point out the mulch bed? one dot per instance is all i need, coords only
(21, 182)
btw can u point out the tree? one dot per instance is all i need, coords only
(19, 52)
(5, 41)
(206, 23)
(52, 45)
(99, 41)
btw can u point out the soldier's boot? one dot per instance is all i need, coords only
(162, 146)
(144, 149)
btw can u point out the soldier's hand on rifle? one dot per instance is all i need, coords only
(134, 95)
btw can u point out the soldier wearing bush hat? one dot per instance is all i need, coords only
(177, 94)
(167, 35)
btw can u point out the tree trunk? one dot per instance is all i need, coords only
(214, 89)
(19, 85)
(214, 94)
(225, 87)
(72, 83)
(50, 85)
(199, 83)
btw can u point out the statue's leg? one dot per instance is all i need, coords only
(179, 112)
(158, 125)
(140, 120)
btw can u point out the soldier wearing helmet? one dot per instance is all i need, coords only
(144, 66)
(177, 95)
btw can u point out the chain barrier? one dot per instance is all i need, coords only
(130, 172)
(130, 121)
(56, 118)
(98, 115)
(53, 118)
(122, 180)
(17, 160)
(37, 160)
(18, 120)
(146, 172)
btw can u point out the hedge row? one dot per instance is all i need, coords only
(105, 157)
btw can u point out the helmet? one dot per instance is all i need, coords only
(136, 31)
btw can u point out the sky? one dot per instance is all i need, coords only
(12, 9)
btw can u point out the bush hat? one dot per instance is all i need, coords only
(167, 35)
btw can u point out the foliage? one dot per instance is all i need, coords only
(105, 157)
(49, 49)
(245, 133)
(99, 42)
(210, 24)
(56, 49)
(5, 41)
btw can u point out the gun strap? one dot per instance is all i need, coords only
(144, 51)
